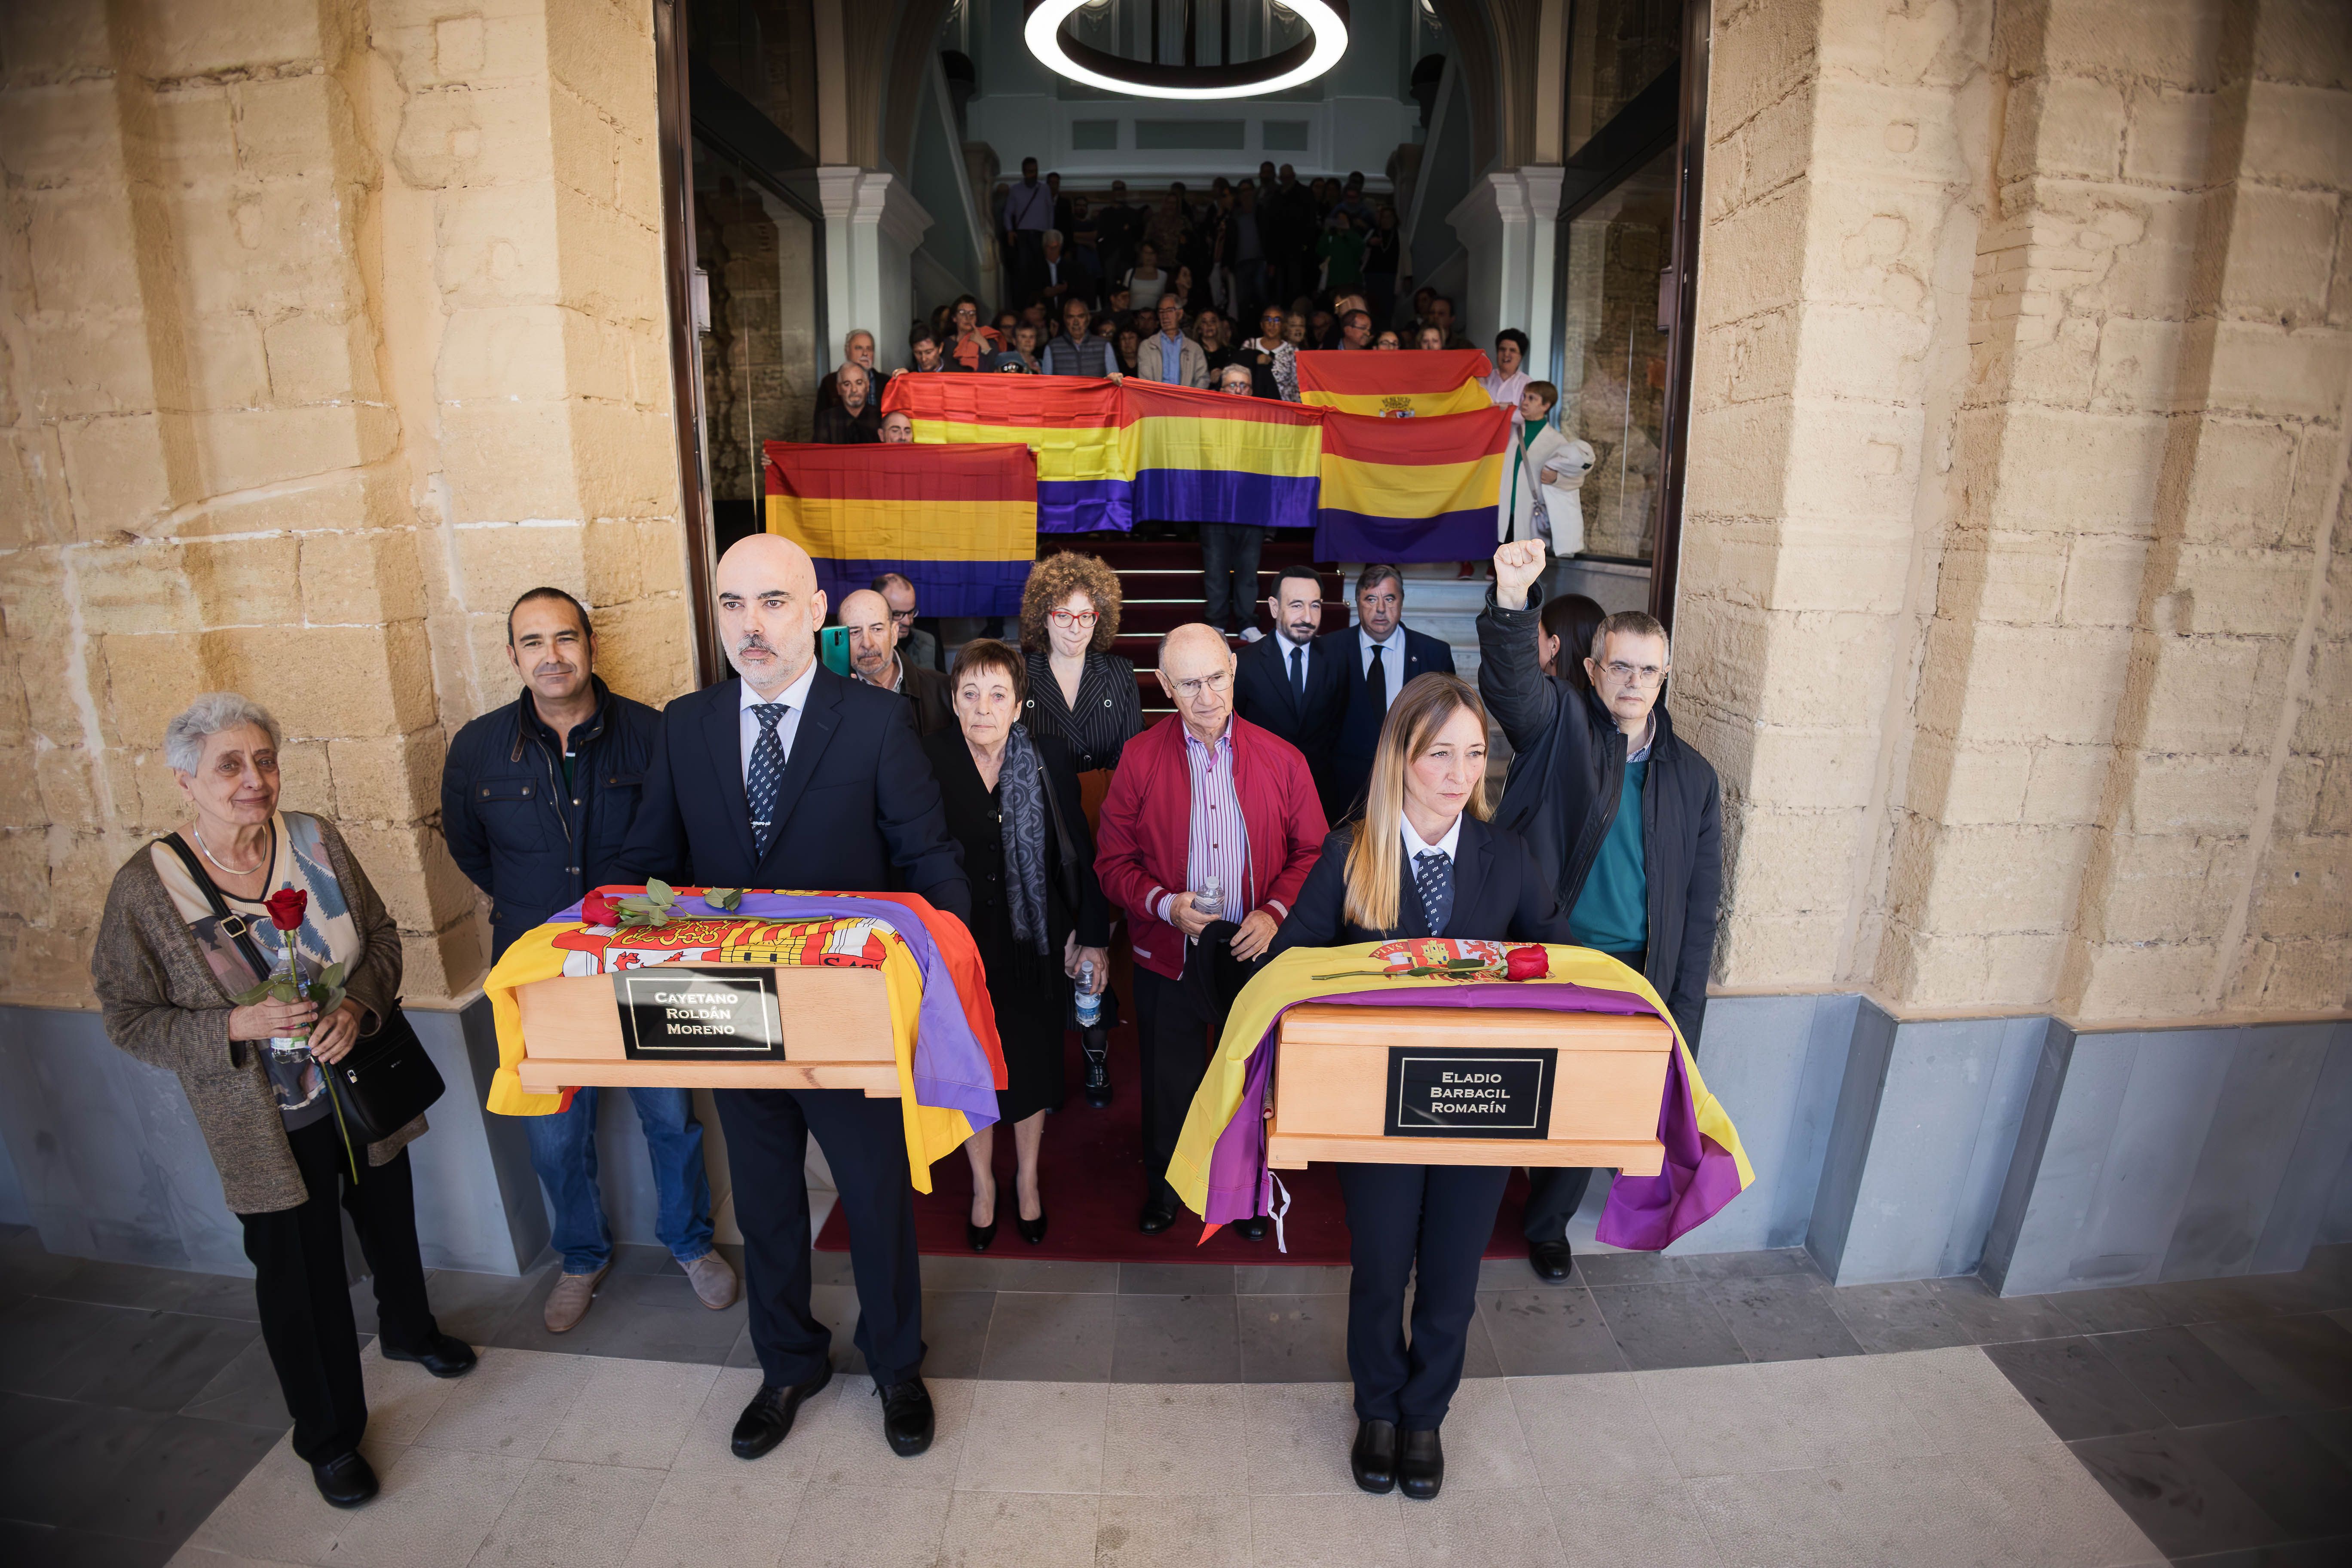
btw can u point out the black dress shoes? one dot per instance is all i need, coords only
(1098, 1082)
(1251, 1229)
(1033, 1231)
(1421, 1464)
(1374, 1456)
(1156, 1218)
(982, 1237)
(769, 1416)
(443, 1355)
(906, 1417)
(1550, 1259)
(346, 1481)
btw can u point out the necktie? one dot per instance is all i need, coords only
(1433, 876)
(767, 774)
(1376, 682)
(1298, 673)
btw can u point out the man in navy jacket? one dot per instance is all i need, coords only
(1292, 682)
(536, 801)
(1377, 655)
(789, 776)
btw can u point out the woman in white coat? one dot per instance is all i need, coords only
(1541, 475)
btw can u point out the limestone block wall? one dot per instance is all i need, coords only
(325, 329)
(2014, 591)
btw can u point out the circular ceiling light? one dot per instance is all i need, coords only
(1050, 40)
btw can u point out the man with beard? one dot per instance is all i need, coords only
(874, 659)
(791, 777)
(1295, 683)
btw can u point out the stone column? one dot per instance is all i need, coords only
(872, 227)
(1508, 225)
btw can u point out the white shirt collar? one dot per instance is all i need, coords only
(1413, 844)
(1365, 642)
(795, 696)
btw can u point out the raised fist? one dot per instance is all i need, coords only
(1517, 566)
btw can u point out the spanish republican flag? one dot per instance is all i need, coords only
(1207, 456)
(1411, 490)
(961, 524)
(1414, 383)
(1083, 449)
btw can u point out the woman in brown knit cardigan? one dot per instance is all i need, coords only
(168, 970)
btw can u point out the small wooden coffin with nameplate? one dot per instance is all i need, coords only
(1446, 1086)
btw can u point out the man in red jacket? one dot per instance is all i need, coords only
(1202, 803)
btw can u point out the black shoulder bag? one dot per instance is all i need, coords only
(386, 1081)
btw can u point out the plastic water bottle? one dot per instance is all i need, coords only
(1089, 1003)
(1211, 900)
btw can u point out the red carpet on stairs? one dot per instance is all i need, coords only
(1090, 1170)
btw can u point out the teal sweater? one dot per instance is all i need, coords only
(1612, 911)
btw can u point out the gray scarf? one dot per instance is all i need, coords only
(1021, 797)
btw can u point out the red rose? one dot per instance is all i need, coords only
(285, 906)
(601, 909)
(1527, 964)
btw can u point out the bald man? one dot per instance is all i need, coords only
(789, 776)
(874, 658)
(1201, 795)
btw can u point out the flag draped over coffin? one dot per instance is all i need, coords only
(1219, 1167)
(1411, 383)
(962, 525)
(950, 1062)
(1411, 490)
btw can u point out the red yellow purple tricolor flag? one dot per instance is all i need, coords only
(1411, 490)
(962, 525)
(1085, 451)
(1208, 457)
(1414, 383)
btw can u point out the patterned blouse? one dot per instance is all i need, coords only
(1108, 713)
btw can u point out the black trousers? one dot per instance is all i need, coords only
(305, 1298)
(1229, 553)
(767, 1149)
(1172, 1033)
(1556, 1192)
(1428, 1225)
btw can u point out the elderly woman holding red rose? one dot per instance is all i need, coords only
(202, 918)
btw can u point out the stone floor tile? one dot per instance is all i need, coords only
(1779, 1260)
(1989, 1318)
(402, 1397)
(867, 1527)
(631, 1412)
(2289, 1474)
(1036, 1437)
(643, 1317)
(1590, 1433)
(245, 1391)
(159, 1290)
(2184, 1377)
(276, 1514)
(2332, 1552)
(171, 1482)
(852, 1451)
(1298, 1436)
(1906, 1316)
(1173, 1532)
(472, 1306)
(26, 1545)
(1652, 1525)
(1666, 1325)
(569, 1515)
(1515, 1273)
(955, 1332)
(1960, 1399)
(1287, 1279)
(1019, 1530)
(28, 1269)
(1479, 1528)
(438, 1507)
(1778, 1415)
(2332, 1429)
(1176, 1339)
(1051, 1336)
(2074, 1389)
(1332, 1530)
(169, 1359)
(509, 1404)
(1789, 1519)
(52, 1348)
(2115, 1309)
(1915, 1509)
(1185, 1440)
(2180, 1499)
(2298, 1363)
(1628, 1269)
(704, 1448)
(1780, 1317)
(1175, 1278)
(715, 1520)
(2217, 1301)
(1485, 1451)
(1545, 1330)
(1053, 1276)
(1292, 1339)
(56, 1455)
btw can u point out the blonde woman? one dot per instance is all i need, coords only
(1423, 862)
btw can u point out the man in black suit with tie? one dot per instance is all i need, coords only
(1294, 683)
(789, 776)
(1379, 655)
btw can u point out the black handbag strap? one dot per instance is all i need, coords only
(239, 928)
(1062, 841)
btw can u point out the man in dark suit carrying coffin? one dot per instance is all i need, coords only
(1295, 683)
(789, 776)
(1379, 655)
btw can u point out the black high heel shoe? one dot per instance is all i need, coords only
(982, 1237)
(1033, 1231)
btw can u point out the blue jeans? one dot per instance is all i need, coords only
(563, 1153)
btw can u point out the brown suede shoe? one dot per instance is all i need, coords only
(567, 1302)
(713, 1280)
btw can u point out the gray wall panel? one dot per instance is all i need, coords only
(2317, 1168)
(1851, 1129)
(2049, 1082)
(2158, 1134)
(2265, 1096)
(2010, 1086)
(14, 1210)
(1775, 1067)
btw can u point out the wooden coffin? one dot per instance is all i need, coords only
(721, 1025)
(1446, 1086)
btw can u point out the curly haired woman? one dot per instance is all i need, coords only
(1079, 691)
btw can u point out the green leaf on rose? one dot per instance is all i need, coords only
(728, 898)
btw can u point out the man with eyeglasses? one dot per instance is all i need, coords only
(1626, 815)
(1295, 683)
(1210, 822)
(917, 648)
(1268, 358)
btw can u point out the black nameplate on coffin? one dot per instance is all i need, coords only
(1501, 1093)
(680, 1014)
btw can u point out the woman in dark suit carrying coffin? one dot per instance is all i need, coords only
(1422, 862)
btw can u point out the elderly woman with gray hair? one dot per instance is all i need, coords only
(188, 931)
